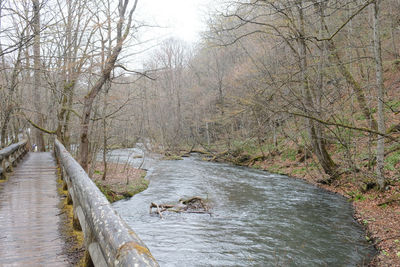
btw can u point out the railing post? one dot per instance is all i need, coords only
(108, 239)
(3, 174)
(14, 159)
(9, 164)
(9, 158)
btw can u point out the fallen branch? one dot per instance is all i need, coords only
(391, 199)
(191, 205)
(220, 155)
(256, 158)
(158, 210)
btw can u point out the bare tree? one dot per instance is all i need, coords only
(380, 150)
(37, 74)
(123, 28)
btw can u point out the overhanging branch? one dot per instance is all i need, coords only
(37, 126)
(361, 129)
(134, 71)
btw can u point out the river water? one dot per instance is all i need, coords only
(258, 219)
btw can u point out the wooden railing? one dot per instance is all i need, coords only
(10, 156)
(109, 240)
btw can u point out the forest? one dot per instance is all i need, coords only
(308, 88)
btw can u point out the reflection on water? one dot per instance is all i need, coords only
(258, 219)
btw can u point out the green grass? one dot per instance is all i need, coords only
(357, 196)
(256, 166)
(289, 154)
(118, 192)
(248, 146)
(98, 172)
(251, 146)
(392, 160)
(274, 168)
(394, 104)
(300, 171)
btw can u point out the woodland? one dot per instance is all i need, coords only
(309, 88)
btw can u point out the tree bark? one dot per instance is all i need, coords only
(314, 130)
(105, 75)
(104, 119)
(37, 75)
(380, 150)
(350, 80)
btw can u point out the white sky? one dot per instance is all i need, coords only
(184, 19)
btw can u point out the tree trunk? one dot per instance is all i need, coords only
(351, 81)
(88, 104)
(108, 86)
(104, 76)
(37, 75)
(314, 130)
(380, 151)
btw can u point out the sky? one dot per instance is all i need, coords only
(183, 19)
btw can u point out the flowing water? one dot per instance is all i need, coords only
(258, 219)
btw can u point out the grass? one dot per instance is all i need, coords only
(115, 192)
(289, 154)
(122, 181)
(247, 145)
(356, 196)
(274, 168)
(393, 104)
(300, 171)
(392, 160)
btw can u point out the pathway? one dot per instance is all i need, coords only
(29, 205)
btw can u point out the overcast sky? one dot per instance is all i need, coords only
(180, 18)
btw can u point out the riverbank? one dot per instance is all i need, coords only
(122, 181)
(378, 212)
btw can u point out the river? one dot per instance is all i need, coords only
(258, 218)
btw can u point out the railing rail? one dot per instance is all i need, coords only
(9, 156)
(109, 240)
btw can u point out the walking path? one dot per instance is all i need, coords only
(29, 209)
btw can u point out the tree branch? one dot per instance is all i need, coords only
(345, 23)
(38, 127)
(114, 112)
(361, 129)
(134, 71)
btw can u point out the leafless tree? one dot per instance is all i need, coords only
(123, 28)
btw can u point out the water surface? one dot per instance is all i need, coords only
(258, 219)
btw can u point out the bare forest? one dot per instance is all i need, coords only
(316, 77)
(309, 88)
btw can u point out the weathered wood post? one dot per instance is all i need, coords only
(3, 167)
(109, 241)
(10, 156)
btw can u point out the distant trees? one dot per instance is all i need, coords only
(167, 91)
(10, 72)
(281, 72)
(72, 44)
(267, 75)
